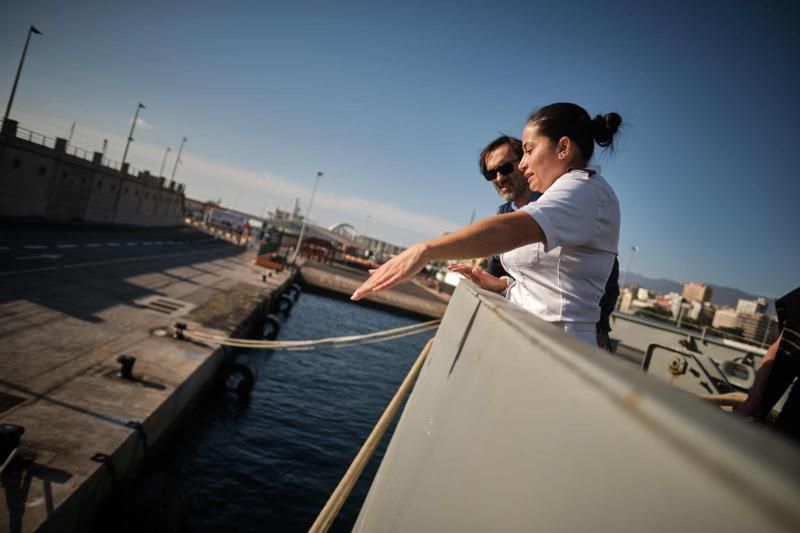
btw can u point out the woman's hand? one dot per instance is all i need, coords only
(481, 278)
(397, 270)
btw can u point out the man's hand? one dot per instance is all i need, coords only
(481, 278)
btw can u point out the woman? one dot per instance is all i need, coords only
(561, 248)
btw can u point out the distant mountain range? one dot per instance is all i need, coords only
(719, 295)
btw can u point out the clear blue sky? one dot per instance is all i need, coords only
(394, 102)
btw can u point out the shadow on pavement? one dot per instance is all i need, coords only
(84, 292)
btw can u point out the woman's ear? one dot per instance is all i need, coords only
(564, 148)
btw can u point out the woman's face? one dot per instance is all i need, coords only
(540, 161)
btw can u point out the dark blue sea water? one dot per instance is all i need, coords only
(269, 464)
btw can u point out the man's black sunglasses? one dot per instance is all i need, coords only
(505, 169)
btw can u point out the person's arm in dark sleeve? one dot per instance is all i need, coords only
(609, 300)
(495, 268)
(493, 264)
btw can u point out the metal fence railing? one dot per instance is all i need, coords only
(88, 155)
(110, 163)
(79, 152)
(705, 330)
(36, 138)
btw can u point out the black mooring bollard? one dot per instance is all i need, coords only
(126, 370)
(180, 327)
(10, 435)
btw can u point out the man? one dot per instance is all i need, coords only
(499, 163)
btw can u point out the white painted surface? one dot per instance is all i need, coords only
(528, 429)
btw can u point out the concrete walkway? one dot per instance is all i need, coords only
(61, 332)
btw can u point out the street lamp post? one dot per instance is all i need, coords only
(178, 159)
(130, 135)
(681, 311)
(31, 30)
(634, 249)
(164, 162)
(305, 218)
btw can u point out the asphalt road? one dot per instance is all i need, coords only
(43, 249)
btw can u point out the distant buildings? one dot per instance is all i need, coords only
(751, 307)
(749, 321)
(755, 324)
(754, 327)
(695, 291)
(379, 250)
(724, 318)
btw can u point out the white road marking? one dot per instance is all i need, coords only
(131, 244)
(45, 256)
(4, 248)
(34, 246)
(146, 243)
(159, 242)
(92, 245)
(112, 244)
(66, 246)
(108, 262)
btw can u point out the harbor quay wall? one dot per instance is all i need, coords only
(514, 425)
(340, 281)
(89, 432)
(46, 178)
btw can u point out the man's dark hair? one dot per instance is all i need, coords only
(513, 142)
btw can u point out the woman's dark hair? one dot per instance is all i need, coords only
(569, 120)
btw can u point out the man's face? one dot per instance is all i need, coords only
(512, 185)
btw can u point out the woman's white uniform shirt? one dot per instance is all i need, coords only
(562, 279)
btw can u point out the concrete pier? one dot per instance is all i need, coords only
(409, 297)
(71, 303)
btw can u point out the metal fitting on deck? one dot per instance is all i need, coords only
(677, 365)
(126, 370)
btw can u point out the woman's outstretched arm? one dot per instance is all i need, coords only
(489, 236)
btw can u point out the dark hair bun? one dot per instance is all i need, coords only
(604, 127)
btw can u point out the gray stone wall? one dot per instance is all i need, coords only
(43, 177)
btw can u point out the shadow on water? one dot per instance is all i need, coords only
(270, 462)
